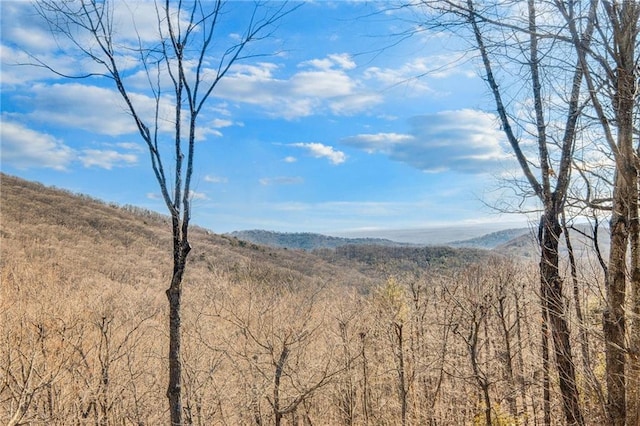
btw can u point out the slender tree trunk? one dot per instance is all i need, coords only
(633, 375)
(347, 397)
(508, 357)
(592, 380)
(624, 18)
(520, 351)
(546, 392)
(613, 316)
(181, 249)
(277, 412)
(483, 383)
(174, 391)
(402, 387)
(365, 380)
(553, 300)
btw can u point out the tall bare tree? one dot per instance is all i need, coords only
(526, 44)
(183, 63)
(611, 70)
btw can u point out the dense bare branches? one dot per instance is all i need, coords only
(175, 60)
(256, 314)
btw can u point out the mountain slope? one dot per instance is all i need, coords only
(88, 240)
(491, 240)
(307, 240)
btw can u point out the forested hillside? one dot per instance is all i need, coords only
(350, 336)
(306, 240)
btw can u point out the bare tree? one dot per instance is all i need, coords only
(610, 65)
(177, 66)
(280, 338)
(530, 50)
(474, 309)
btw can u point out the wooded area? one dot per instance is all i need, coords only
(271, 336)
(398, 342)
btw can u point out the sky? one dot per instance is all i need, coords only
(330, 126)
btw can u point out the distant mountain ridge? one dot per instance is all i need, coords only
(493, 239)
(308, 240)
(311, 241)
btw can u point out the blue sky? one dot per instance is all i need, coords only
(331, 133)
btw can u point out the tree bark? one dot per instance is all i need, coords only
(546, 390)
(592, 380)
(551, 284)
(552, 199)
(624, 20)
(400, 369)
(613, 316)
(174, 295)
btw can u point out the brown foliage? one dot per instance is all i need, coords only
(270, 336)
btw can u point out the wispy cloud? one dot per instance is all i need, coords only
(215, 179)
(106, 159)
(219, 123)
(281, 180)
(378, 142)
(319, 150)
(193, 195)
(466, 140)
(335, 60)
(24, 148)
(417, 72)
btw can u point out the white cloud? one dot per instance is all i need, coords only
(99, 110)
(343, 60)
(193, 195)
(339, 60)
(319, 150)
(24, 148)
(414, 73)
(324, 88)
(290, 159)
(349, 105)
(202, 132)
(82, 106)
(219, 123)
(281, 180)
(377, 142)
(215, 179)
(465, 140)
(25, 31)
(322, 84)
(131, 146)
(106, 159)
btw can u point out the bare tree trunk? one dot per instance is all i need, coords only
(277, 412)
(551, 198)
(554, 303)
(174, 295)
(584, 339)
(365, 380)
(400, 369)
(625, 190)
(520, 350)
(613, 316)
(633, 373)
(546, 391)
(472, 347)
(508, 355)
(176, 63)
(347, 397)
